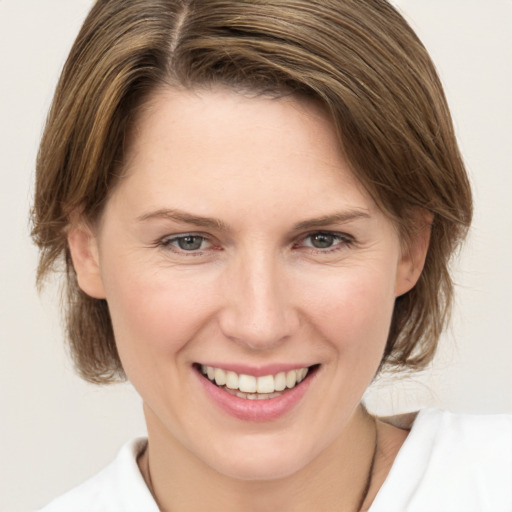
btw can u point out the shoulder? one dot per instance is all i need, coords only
(479, 444)
(118, 487)
(452, 462)
(463, 430)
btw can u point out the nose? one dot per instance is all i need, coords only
(258, 307)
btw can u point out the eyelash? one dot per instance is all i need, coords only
(343, 240)
(168, 243)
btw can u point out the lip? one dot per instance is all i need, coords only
(255, 410)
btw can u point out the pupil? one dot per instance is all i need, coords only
(190, 243)
(322, 240)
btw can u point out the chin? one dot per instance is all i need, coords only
(260, 470)
(255, 464)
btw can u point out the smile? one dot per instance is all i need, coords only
(255, 388)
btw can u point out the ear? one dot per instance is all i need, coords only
(83, 246)
(414, 254)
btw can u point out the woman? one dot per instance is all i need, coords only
(256, 204)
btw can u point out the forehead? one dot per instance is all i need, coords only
(202, 116)
(196, 146)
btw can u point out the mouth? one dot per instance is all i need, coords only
(251, 387)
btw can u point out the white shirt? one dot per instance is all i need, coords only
(448, 463)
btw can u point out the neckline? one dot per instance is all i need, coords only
(410, 421)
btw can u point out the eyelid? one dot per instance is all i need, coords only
(167, 242)
(345, 240)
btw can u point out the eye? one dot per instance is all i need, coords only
(187, 243)
(322, 240)
(326, 240)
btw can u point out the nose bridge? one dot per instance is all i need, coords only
(258, 311)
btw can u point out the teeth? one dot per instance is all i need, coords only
(265, 384)
(255, 388)
(252, 396)
(291, 379)
(247, 383)
(280, 381)
(231, 380)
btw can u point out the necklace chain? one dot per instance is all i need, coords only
(364, 494)
(369, 479)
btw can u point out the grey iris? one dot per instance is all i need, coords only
(190, 243)
(322, 240)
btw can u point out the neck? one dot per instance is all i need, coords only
(339, 478)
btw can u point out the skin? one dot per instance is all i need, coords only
(256, 292)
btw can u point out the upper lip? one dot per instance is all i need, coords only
(256, 371)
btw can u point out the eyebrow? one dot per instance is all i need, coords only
(185, 217)
(213, 223)
(335, 218)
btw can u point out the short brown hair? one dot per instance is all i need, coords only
(359, 58)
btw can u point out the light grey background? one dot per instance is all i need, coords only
(56, 430)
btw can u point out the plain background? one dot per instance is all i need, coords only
(56, 430)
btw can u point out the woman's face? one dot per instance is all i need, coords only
(239, 240)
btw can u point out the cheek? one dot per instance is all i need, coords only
(353, 309)
(154, 313)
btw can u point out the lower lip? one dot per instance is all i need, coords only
(255, 410)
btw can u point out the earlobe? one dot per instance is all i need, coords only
(413, 256)
(83, 247)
